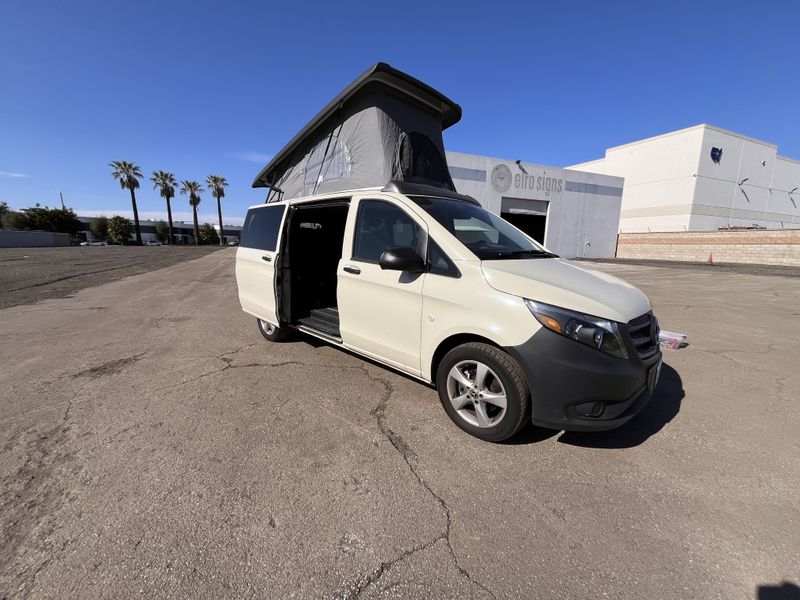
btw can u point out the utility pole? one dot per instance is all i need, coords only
(62, 200)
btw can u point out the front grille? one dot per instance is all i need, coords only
(644, 335)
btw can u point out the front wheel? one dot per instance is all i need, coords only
(484, 391)
(271, 332)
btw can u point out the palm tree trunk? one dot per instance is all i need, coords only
(219, 212)
(169, 218)
(136, 219)
(196, 227)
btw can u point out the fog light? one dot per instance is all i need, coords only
(590, 409)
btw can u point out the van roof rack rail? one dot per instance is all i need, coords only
(408, 188)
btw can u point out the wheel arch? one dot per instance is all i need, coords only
(451, 342)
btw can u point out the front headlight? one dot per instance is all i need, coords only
(600, 334)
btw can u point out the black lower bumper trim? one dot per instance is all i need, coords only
(577, 388)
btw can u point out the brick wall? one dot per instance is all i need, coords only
(767, 247)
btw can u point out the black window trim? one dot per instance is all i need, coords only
(454, 271)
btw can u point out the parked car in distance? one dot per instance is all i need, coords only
(233, 243)
(426, 281)
(95, 243)
(152, 243)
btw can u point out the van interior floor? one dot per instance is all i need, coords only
(325, 320)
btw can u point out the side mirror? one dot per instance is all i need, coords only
(402, 259)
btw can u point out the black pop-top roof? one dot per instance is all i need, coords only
(407, 87)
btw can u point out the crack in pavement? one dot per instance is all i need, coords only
(225, 357)
(32, 488)
(737, 362)
(357, 587)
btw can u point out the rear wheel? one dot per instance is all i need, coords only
(484, 391)
(271, 332)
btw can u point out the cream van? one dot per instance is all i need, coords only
(431, 284)
(417, 277)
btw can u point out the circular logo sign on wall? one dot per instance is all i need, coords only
(501, 178)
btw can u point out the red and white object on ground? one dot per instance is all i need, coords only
(671, 340)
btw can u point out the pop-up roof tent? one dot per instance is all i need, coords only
(385, 126)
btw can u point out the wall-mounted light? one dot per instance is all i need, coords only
(521, 168)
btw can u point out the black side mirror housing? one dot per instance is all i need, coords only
(402, 259)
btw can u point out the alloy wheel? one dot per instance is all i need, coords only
(476, 393)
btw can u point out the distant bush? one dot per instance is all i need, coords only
(38, 218)
(99, 227)
(162, 231)
(119, 229)
(14, 220)
(208, 235)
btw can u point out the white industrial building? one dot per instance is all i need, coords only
(702, 178)
(573, 213)
(182, 231)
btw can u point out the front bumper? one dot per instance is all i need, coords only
(577, 388)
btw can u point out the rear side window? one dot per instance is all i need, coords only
(381, 226)
(261, 227)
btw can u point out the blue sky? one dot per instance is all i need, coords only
(201, 87)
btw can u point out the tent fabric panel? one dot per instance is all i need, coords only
(375, 137)
(379, 75)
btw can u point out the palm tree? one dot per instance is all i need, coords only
(166, 183)
(193, 190)
(216, 185)
(128, 173)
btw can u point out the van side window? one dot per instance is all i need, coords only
(381, 226)
(261, 227)
(439, 263)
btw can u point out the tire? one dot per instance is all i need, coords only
(272, 333)
(481, 413)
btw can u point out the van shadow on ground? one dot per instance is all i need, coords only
(783, 591)
(662, 408)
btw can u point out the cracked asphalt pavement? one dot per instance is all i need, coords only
(30, 274)
(154, 445)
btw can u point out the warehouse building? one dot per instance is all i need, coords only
(182, 231)
(702, 178)
(573, 213)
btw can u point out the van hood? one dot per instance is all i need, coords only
(561, 283)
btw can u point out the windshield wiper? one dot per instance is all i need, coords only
(541, 253)
(521, 254)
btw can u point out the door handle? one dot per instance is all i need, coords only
(266, 258)
(353, 270)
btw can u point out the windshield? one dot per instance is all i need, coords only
(488, 236)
